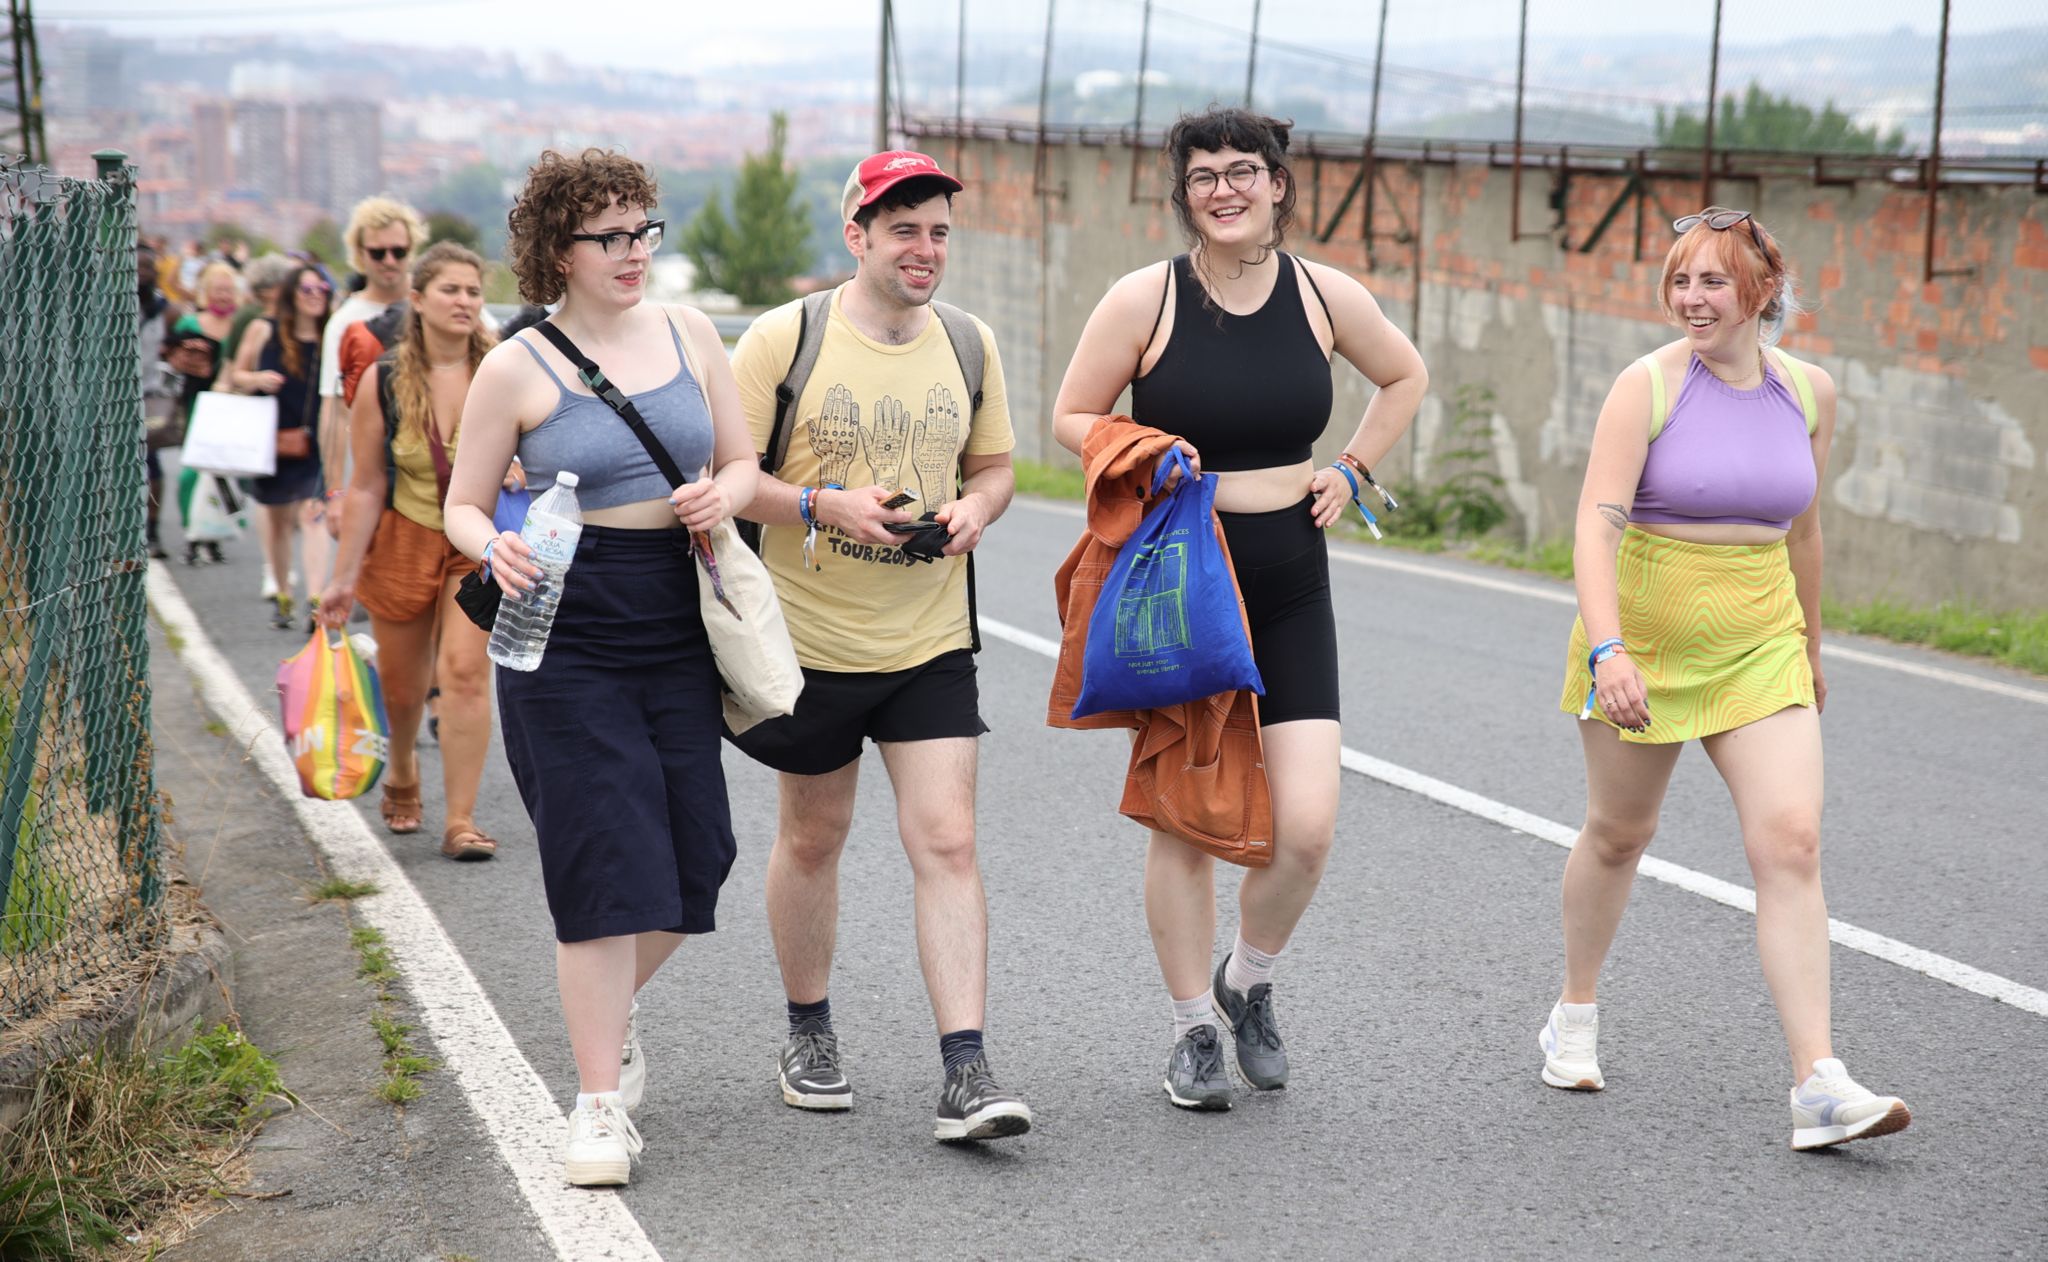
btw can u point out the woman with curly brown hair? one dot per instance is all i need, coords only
(281, 356)
(614, 739)
(1228, 348)
(405, 427)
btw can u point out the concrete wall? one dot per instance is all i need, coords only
(1938, 484)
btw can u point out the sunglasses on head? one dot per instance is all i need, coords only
(382, 252)
(1721, 221)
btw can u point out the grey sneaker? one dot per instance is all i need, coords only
(1261, 1056)
(1195, 1077)
(632, 1065)
(972, 1106)
(810, 1074)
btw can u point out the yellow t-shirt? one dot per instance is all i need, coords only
(870, 414)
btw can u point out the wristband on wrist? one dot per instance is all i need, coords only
(1600, 653)
(486, 557)
(1386, 497)
(1372, 523)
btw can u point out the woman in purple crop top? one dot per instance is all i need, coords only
(1697, 563)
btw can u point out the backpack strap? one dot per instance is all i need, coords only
(1660, 405)
(967, 348)
(387, 403)
(810, 341)
(1802, 385)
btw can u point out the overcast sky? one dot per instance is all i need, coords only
(698, 36)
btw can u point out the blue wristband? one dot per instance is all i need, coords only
(1372, 523)
(1600, 653)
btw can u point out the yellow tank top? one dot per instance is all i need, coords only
(417, 496)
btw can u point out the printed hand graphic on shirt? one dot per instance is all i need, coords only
(835, 435)
(886, 441)
(937, 446)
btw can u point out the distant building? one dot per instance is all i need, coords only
(340, 153)
(87, 73)
(213, 155)
(262, 161)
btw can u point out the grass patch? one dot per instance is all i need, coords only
(1548, 556)
(112, 1142)
(2018, 639)
(1048, 481)
(216, 728)
(336, 890)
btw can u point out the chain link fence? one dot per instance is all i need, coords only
(80, 820)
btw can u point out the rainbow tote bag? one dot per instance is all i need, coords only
(334, 723)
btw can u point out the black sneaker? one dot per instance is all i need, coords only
(1195, 1077)
(1261, 1056)
(972, 1106)
(810, 1074)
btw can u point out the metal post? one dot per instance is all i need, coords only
(1515, 179)
(960, 88)
(1934, 146)
(882, 79)
(1138, 117)
(1251, 65)
(1367, 165)
(1044, 96)
(1713, 94)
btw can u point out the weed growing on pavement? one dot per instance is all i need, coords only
(376, 958)
(215, 727)
(114, 1141)
(336, 890)
(402, 1065)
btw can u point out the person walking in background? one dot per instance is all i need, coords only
(1228, 347)
(886, 642)
(1697, 560)
(263, 276)
(406, 427)
(280, 356)
(195, 347)
(614, 739)
(161, 387)
(381, 236)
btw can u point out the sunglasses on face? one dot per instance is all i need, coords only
(1201, 182)
(619, 245)
(383, 252)
(316, 291)
(1721, 221)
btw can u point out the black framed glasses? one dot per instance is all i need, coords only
(382, 252)
(619, 245)
(1240, 176)
(1721, 221)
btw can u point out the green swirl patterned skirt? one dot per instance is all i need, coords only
(1715, 629)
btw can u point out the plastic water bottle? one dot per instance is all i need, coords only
(554, 523)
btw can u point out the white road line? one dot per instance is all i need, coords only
(472, 1041)
(1560, 596)
(1939, 967)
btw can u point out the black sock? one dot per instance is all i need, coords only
(815, 1016)
(959, 1048)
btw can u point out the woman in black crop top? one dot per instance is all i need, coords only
(1228, 347)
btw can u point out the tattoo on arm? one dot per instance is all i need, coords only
(1616, 515)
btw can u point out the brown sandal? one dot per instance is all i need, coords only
(400, 802)
(463, 841)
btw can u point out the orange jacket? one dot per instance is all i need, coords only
(1198, 770)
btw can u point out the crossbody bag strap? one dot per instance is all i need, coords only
(600, 385)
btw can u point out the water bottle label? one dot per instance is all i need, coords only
(552, 539)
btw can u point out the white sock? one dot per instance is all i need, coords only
(1189, 1013)
(589, 1099)
(1248, 966)
(1579, 1013)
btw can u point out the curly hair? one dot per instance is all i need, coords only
(409, 369)
(1764, 285)
(1228, 127)
(560, 193)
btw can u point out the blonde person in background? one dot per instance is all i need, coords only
(394, 556)
(382, 234)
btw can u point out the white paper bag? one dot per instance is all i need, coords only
(234, 434)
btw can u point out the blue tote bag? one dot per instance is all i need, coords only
(1166, 629)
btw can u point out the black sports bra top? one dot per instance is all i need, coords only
(1249, 391)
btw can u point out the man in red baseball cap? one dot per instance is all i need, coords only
(887, 433)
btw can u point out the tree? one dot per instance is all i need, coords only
(446, 225)
(1763, 121)
(754, 255)
(323, 242)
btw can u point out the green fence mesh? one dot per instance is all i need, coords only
(79, 815)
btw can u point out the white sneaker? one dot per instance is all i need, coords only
(268, 587)
(1570, 1042)
(603, 1144)
(632, 1068)
(1830, 1108)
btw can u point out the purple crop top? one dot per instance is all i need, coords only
(1740, 457)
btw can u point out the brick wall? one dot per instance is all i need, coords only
(1938, 484)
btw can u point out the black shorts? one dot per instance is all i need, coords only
(933, 701)
(613, 743)
(1283, 570)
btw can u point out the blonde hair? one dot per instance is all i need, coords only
(409, 371)
(207, 275)
(374, 214)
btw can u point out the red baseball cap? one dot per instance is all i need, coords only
(878, 174)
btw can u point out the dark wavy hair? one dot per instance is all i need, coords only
(560, 193)
(1223, 127)
(284, 320)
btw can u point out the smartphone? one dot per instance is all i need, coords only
(899, 499)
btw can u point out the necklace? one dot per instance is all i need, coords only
(1737, 383)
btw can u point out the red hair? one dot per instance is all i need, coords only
(1751, 260)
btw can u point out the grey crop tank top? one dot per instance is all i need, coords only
(584, 436)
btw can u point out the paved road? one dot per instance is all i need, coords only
(1416, 1125)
